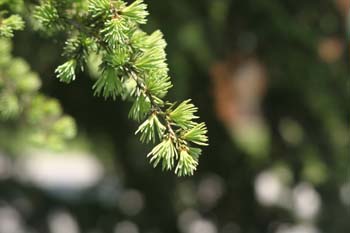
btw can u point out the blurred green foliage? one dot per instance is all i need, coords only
(33, 118)
(27, 115)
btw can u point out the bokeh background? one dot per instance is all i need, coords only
(271, 79)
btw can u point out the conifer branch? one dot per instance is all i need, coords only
(134, 67)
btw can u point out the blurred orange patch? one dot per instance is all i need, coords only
(239, 86)
(330, 49)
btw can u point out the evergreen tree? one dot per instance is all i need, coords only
(304, 154)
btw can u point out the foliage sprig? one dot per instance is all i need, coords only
(134, 67)
(10, 24)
